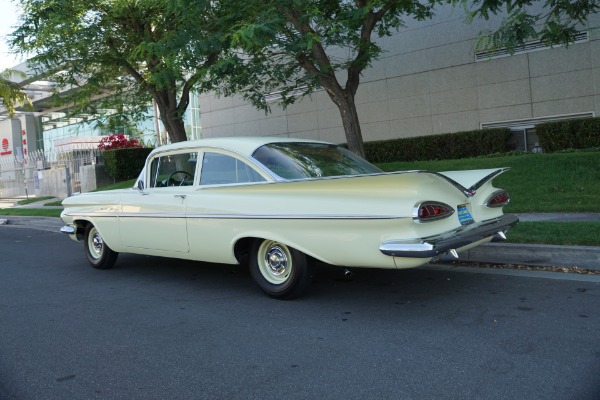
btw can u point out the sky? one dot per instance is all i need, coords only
(8, 19)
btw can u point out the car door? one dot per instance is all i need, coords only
(155, 218)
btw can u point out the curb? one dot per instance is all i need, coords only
(541, 255)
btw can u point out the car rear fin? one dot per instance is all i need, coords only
(473, 179)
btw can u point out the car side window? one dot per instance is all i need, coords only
(173, 170)
(221, 169)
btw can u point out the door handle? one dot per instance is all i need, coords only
(181, 196)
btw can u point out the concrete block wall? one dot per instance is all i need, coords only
(427, 82)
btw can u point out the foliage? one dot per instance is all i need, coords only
(572, 134)
(11, 93)
(117, 141)
(123, 53)
(294, 47)
(549, 182)
(553, 22)
(122, 164)
(439, 147)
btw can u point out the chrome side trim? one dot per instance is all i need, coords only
(237, 216)
(437, 246)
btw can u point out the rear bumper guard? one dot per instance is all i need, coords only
(440, 245)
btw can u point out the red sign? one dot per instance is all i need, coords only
(5, 150)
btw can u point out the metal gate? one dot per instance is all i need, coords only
(17, 176)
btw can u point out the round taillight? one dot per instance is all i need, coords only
(498, 199)
(431, 211)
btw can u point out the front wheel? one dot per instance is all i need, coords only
(280, 271)
(98, 253)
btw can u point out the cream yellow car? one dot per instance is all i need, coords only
(280, 204)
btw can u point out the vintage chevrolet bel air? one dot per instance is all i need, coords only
(280, 204)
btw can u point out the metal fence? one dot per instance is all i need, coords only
(19, 175)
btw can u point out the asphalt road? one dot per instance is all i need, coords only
(155, 328)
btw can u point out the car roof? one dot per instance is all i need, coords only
(245, 145)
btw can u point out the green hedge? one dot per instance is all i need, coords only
(123, 164)
(572, 134)
(440, 147)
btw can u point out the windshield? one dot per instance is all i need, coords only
(311, 160)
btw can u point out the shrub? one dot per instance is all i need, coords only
(572, 134)
(440, 147)
(123, 164)
(117, 141)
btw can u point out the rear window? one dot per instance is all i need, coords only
(311, 160)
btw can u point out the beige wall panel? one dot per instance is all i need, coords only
(222, 117)
(306, 135)
(405, 64)
(504, 94)
(452, 78)
(508, 113)
(408, 86)
(411, 127)
(376, 131)
(562, 86)
(220, 102)
(273, 126)
(410, 107)
(223, 130)
(250, 128)
(205, 119)
(302, 122)
(329, 118)
(371, 91)
(376, 72)
(323, 102)
(503, 69)
(455, 122)
(559, 60)
(303, 105)
(247, 113)
(205, 103)
(564, 106)
(373, 112)
(333, 135)
(595, 51)
(450, 55)
(454, 101)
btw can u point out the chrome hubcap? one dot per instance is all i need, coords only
(96, 244)
(275, 262)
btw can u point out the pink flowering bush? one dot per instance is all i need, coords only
(117, 141)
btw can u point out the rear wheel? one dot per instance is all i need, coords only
(280, 271)
(98, 253)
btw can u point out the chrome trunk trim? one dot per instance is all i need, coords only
(440, 245)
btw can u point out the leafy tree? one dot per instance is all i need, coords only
(296, 46)
(11, 93)
(123, 53)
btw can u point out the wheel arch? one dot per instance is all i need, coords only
(243, 245)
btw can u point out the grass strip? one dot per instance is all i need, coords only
(30, 212)
(33, 200)
(53, 204)
(557, 182)
(559, 233)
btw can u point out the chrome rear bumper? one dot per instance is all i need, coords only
(439, 245)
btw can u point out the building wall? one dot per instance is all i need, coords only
(427, 82)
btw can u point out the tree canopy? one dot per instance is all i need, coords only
(297, 46)
(11, 93)
(120, 54)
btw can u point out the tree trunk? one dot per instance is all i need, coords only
(171, 118)
(347, 107)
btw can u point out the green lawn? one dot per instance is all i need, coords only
(33, 200)
(557, 182)
(30, 212)
(561, 233)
